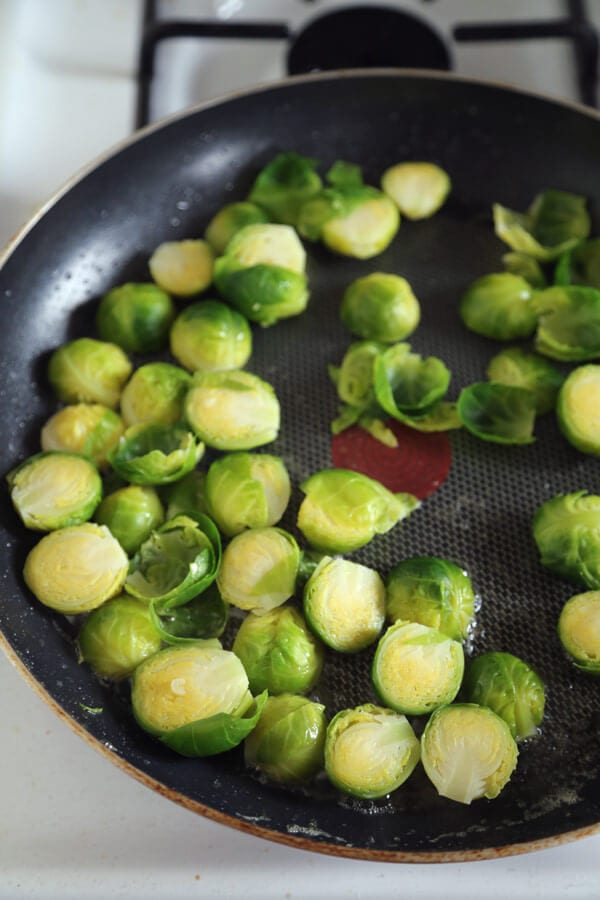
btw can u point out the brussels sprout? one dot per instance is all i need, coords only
(262, 273)
(526, 267)
(343, 510)
(186, 495)
(288, 742)
(566, 530)
(117, 637)
(246, 490)
(417, 668)
(499, 306)
(89, 371)
(580, 265)
(555, 221)
(370, 751)
(233, 410)
(155, 454)
(75, 569)
(578, 409)
(195, 698)
(509, 686)
(501, 413)
(54, 489)
(344, 603)
(516, 367)
(131, 513)
(468, 752)
(259, 569)
(155, 394)
(284, 185)
(203, 617)
(178, 561)
(433, 592)
(354, 377)
(211, 336)
(380, 307)
(183, 268)
(137, 317)
(579, 631)
(87, 428)
(568, 323)
(230, 219)
(407, 383)
(418, 189)
(279, 652)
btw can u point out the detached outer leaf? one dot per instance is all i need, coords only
(500, 413)
(202, 618)
(216, 734)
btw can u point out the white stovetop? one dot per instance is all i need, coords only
(72, 824)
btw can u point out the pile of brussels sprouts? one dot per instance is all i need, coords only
(152, 554)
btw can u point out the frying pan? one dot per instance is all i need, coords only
(498, 145)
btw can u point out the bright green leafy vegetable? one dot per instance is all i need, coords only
(568, 323)
(499, 306)
(418, 189)
(501, 413)
(580, 265)
(380, 307)
(117, 637)
(566, 530)
(203, 617)
(154, 394)
(508, 686)
(517, 367)
(211, 336)
(137, 317)
(579, 631)
(407, 383)
(284, 185)
(89, 371)
(555, 221)
(155, 454)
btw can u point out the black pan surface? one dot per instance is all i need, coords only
(498, 145)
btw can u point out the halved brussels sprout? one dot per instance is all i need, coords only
(117, 637)
(284, 185)
(233, 410)
(89, 371)
(566, 530)
(417, 668)
(131, 513)
(137, 317)
(155, 394)
(380, 307)
(568, 323)
(279, 652)
(54, 489)
(432, 591)
(183, 268)
(288, 742)
(580, 265)
(343, 510)
(246, 490)
(499, 306)
(75, 569)
(418, 189)
(555, 221)
(468, 752)
(578, 409)
(155, 454)
(230, 219)
(259, 569)
(509, 686)
(370, 751)
(211, 336)
(579, 630)
(344, 603)
(500, 413)
(87, 428)
(407, 383)
(519, 368)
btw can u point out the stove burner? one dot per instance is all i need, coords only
(367, 37)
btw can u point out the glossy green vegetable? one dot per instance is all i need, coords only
(230, 219)
(354, 377)
(407, 383)
(279, 652)
(370, 751)
(288, 742)
(131, 513)
(183, 268)
(555, 221)
(87, 428)
(418, 189)
(417, 668)
(508, 686)
(137, 317)
(89, 371)
(284, 185)
(54, 489)
(155, 454)
(380, 307)
(117, 637)
(578, 409)
(211, 336)
(468, 752)
(579, 631)
(501, 413)
(499, 306)
(568, 323)
(155, 394)
(525, 266)
(518, 367)
(580, 265)
(435, 592)
(185, 495)
(566, 530)
(203, 617)
(343, 510)
(344, 603)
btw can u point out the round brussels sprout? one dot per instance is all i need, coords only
(370, 751)
(555, 221)
(182, 268)
(131, 513)
(211, 336)
(418, 189)
(468, 752)
(568, 323)
(259, 569)
(578, 407)
(117, 637)
(89, 371)
(500, 413)
(87, 428)
(433, 592)
(344, 603)
(155, 454)
(230, 219)
(75, 569)
(417, 668)
(54, 489)
(518, 368)
(499, 306)
(566, 530)
(579, 630)
(233, 410)
(137, 317)
(246, 490)
(284, 185)
(279, 652)
(380, 307)
(510, 687)
(406, 383)
(154, 395)
(288, 742)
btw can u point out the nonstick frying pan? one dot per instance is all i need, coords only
(498, 145)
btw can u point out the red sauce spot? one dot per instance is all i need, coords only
(418, 465)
